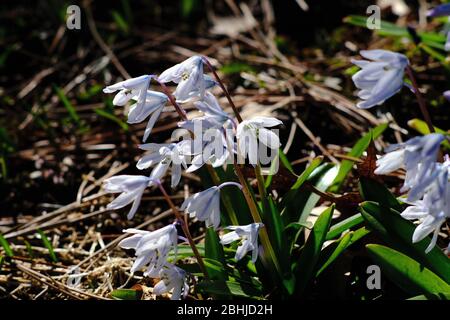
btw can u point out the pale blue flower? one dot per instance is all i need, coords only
(172, 278)
(154, 105)
(134, 88)
(165, 155)
(210, 144)
(248, 235)
(151, 248)
(418, 155)
(189, 77)
(210, 106)
(433, 210)
(380, 78)
(447, 95)
(249, 132)
(131, 188)
(205, 205)
(439, 11)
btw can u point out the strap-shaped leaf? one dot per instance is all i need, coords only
(360, 146)
(407, 273)
(397, 232)
(214, 251)
(311, 250)
(333, 251)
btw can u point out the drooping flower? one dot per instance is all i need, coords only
(163, 156)
(249, 239)
(205, 205)
(131, 188)
(189, 77)
(210, 106)
(419, 156)
(249, 132)
(439, 11)
(154, 105)
(134, 88)
(380, 78)
(433, 210)
(211, 144)
(172, 278)
(151, 248)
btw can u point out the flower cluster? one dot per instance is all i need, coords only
(219, 139)
(426, 180)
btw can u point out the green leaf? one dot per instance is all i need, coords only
(360, 146)
(48, 245)
(322, 184)
(120, 21)
(422, 127)
(126, 294)
(390, 29)
(214, 251)
(105, 114)
(374, 191)
(5, 245)
(397, 232)
(240, 290)
(311, 250)
(334, 250)
(407, 273)
(2, 259)
(435, 54)
(437, 296)
(337, 229)
(298, 203)
(29, 249)
(236, 68)
(275, 229)
(70, 108)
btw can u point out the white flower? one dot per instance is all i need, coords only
(154, 105)
(151, 248)
(205, 205)
(379, 79)
(248, 235)
(131, 187)
(250, 131)
(189, 76)
(434, 209)
(418, 155)
(163, 156)
(172, 278)
(210, 106)
(210, 144)
(134, 88)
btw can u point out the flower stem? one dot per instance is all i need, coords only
(172, 100)
(185, 228)
(420, 99)
(264, 236)
(224, 89)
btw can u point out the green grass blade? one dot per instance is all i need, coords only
(6, 246)
(48, 245)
